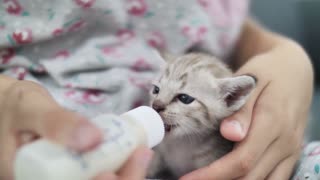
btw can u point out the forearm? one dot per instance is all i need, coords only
(272, 57)
(256, 40)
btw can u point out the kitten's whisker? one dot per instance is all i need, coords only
(190, 133)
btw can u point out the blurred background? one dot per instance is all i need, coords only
(298, 19)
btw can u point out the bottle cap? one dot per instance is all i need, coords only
(151, 121)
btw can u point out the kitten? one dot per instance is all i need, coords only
(192, 95)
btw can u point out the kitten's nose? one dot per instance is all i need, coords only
(158, 106)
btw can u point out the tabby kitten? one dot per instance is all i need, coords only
(192, 95)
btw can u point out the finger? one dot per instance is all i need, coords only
(72, 130)
(25, 137)
(235, 127)
(284, 169)
(137, 165)
(277, 152)
(245, 156)
(7, 155)
(287, 165)
(107, 176)
(271, 158)
(36, 111)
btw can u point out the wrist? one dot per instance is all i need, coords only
(279, 55)
(255, 40)
(287, 67)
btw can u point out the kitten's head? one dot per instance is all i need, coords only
(195, 91)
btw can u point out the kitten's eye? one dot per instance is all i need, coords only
(156, 90)
(185, 99)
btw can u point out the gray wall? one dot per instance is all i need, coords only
(280, 15)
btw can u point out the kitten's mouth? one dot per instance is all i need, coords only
(169, 127)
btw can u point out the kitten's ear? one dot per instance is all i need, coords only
(168, 57)
(236, 90)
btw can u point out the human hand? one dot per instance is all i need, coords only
(28, 112)
(270, 126)
(135, 168)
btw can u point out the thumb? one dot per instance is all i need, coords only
(236, 126)
(71, 130)
(137, 165)
(36, 112)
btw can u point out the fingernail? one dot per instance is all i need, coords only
(84, 137)
(237, 127)
(145, 158)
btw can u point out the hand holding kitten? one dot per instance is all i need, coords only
(272, 122)
(28, 112)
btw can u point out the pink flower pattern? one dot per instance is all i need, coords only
(62, 54)
(224, 13)
(111, 52)
(86, 97)
(85, 3)
(6, 55)
(141, 65)
(137, 7)
(156, 40)
(125, 34)
(315, 152)
(143, 84)
(22, 36)
(76, 26)
(20, 73)
(57, 32)
(195, 34)
(13, 7)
